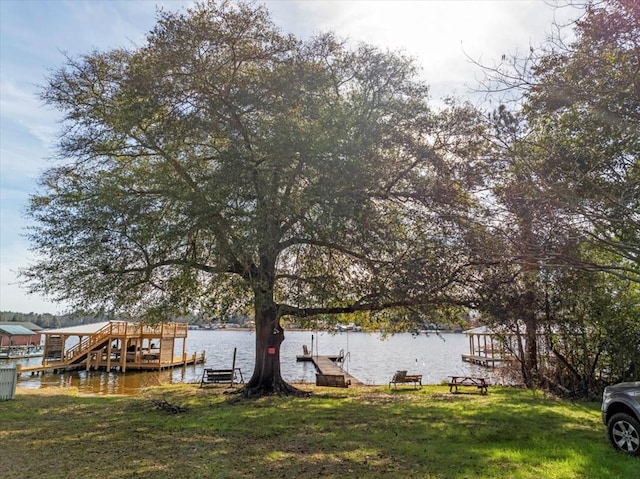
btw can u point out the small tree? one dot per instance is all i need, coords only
(226, 165)
(595, 332)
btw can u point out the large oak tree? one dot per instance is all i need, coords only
(225, 164)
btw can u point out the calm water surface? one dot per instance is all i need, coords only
(369, 357)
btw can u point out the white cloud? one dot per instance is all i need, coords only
(438, 34)
(13, 297)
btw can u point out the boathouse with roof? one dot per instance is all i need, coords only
(19, 339)
(488, 347)
(116, 345)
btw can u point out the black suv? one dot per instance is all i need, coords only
(621, 414)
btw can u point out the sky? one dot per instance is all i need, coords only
(441, 35)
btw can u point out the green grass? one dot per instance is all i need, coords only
(354, 433)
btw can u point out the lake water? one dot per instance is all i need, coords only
(369, 357)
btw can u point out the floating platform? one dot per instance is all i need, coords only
(309, 358)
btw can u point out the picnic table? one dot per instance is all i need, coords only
(480, 383)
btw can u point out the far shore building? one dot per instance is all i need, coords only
(20, 339)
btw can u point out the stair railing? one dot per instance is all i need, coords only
(88, 343)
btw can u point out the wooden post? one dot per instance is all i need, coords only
(63, 346)
(233, 365)
(109, 352)
(493, 348)
(123, 355)
(45, 353)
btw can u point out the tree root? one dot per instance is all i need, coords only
(277, 388)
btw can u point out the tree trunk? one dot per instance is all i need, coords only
(531, 351)
(528, 311)
(266, 378)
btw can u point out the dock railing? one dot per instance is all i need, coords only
(88, 343)
(124, 329)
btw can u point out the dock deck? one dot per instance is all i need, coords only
(57, 367)
(329, 365)
(487, 361)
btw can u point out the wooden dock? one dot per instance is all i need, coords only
(328, 365)
(115, 345)
(489, 348)
(94, 363)
(487, 361)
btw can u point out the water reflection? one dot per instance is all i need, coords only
(370, 358)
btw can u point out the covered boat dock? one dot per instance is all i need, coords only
(115, 345)
(488, 348)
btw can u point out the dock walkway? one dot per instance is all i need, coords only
(328, 365)
(59, 367)
(483, 360)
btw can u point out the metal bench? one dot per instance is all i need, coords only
(215, 376)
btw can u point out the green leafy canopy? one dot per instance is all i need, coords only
(224, 165)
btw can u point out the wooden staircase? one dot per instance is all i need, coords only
(94, 341)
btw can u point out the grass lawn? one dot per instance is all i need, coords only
(368, 432)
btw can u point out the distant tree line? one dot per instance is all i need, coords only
(48, 321)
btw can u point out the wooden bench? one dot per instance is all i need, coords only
(332, 380)
(214, 376)
(480, 383)
(401, 377)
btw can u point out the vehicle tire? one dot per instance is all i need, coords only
(624, 433)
